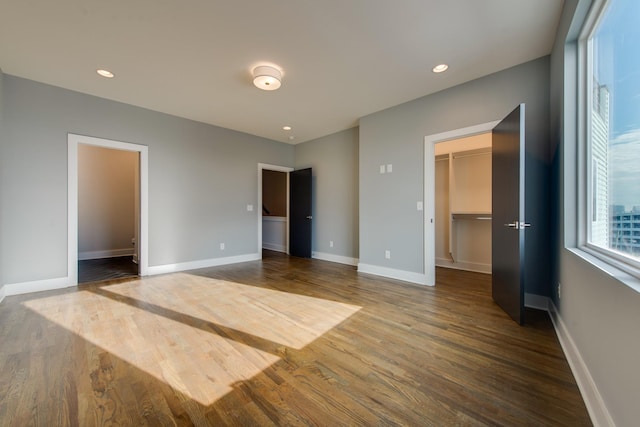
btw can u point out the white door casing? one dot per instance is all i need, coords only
(72, 198)
(429, 190)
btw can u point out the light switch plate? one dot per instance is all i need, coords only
(389, 168)
(382, 169)
(250, 208)
(419, 206)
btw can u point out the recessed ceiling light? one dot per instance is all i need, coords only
(440, 68)
(105, 73)
(286, 127)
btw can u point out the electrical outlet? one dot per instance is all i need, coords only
(249, 208)
(330, 243)
(222, 246)
(387, 254)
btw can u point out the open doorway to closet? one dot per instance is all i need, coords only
(463, 203)
(108, 213)
(107, 204)
(431, 252)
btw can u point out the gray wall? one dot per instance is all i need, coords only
(334, 160)
(600, 312)
(192, 207)
(388, 215)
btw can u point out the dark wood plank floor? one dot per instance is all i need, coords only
(97, 270)
(283, 341)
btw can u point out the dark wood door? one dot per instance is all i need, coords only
(300, 185)
(508, 225)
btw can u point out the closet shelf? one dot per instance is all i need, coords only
(471, 216)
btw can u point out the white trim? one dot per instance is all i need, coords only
(72, 199)
(37, 286)
(392, 273)
(476, 267)
(429, 190)
(538, 302)
(1, 293)
(598, 411)
(274, 247)
(109, 253)
(261, 167)
(335, 258)
(205, 263)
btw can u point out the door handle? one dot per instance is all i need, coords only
(309, 217)
(518, 225)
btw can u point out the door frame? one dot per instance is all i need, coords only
(430, 190)
(72, 198)
(276, 168)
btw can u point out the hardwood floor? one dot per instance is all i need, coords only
(283, 341)
(97, 270)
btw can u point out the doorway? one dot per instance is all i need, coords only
(108, 213)
(463, 191)
(274, 210)
(77, 143)
(276, 227)
(430, 142)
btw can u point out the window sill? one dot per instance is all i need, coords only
(608, 267)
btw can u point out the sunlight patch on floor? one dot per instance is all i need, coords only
(162, 325)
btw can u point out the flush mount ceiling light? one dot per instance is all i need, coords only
(105, 73)
(286, 127)
(440, 68)
(266, 77)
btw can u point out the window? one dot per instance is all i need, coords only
(611, 44)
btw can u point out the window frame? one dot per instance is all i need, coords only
(586, 179)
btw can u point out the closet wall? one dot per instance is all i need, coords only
(107, 180)
(463, 203)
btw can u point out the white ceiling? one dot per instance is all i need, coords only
(341, 59)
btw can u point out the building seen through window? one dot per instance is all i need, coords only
(614, 130)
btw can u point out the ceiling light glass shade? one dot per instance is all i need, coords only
(266, 78)
(105, 73)
(440, 68)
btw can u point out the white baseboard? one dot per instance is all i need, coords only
(194, 265)
(1, 293)
(335, 258)
(37, 286)
(538, 302)
(464, 265)
(274, 247)
(392, 273)
(593, 400)
(110, 253)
